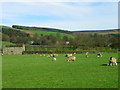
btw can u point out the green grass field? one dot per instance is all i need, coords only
(47, 33)
(35, 71)
(7, 43)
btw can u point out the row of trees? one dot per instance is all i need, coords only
(93, 41)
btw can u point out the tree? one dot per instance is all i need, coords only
(5, 37)
(115, 42)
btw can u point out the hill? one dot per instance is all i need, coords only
(13, 35)
(22, 34)
(43, 31)
(13, 32)
(57, 37)
(103, 32)
(40, 29)
(62, 33)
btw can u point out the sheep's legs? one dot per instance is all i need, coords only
(111, 64)
(115, 63)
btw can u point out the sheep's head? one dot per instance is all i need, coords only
(110, 58)
(66, 55)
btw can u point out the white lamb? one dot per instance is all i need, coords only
(72, 58)
(112, 61)
(54, 59)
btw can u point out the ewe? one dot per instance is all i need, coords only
(51, 55)
(68, 55)
(99, 55)
(74, 53)
(54, 59)
(86, 54)
(112, 61)
(71, 58)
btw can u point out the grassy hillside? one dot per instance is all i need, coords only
(49, 36)
(100, 32)
(32, 32)
(48, 31)
(40, 29)
(7, 43)
(12, 31)
(43, 31)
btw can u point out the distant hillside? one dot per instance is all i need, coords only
(39, 37)
(13, 32)
(13, 35)
(32, 32)
(40, 29)
(43, 31)
(55, 37)
(112, 31)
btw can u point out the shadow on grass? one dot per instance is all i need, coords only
(118, 62)
(103, 64)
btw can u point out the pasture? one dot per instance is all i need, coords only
(7, 43)
(35, 71)
(47, 33)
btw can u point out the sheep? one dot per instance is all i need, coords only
(86, 54)
(68, 55)
(71, 58)
(99, 55)
(1, 54)
(74, 53)
(51, 55)
(54, 59)
(112, 61)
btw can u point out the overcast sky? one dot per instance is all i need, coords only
(73, 16)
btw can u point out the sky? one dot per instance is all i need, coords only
(67, 15)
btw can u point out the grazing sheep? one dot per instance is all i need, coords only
(51, 55)
(71, 58)
(86, 54)
(1, 54)
(112, 61)
(68, 55)
(99, 55)
(54, 59)
(74, 53)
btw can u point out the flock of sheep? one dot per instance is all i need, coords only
(70, 57)
(112, 60)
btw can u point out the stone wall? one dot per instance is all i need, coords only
(13, 50)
